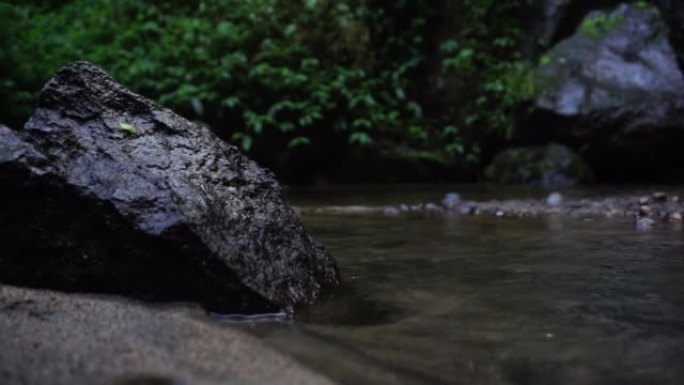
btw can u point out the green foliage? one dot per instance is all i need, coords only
(647, 5)
(291, 73)
(496, 79)
(279, 78)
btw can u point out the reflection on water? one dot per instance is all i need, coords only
(495, 301)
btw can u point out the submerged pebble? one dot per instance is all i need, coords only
(659, 196)
(431, 208)
(554, 199)
(645, 211)
(451, 200)
(674, 217)
(643, 223)
(391, 211)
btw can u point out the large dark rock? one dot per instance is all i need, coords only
(105, 191)
(615, 86)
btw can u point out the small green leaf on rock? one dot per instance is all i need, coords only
(128, 128)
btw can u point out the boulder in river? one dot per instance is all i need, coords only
(105, 191)
(616, 86)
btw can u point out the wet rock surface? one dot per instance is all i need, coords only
(105, 191)
(67, 339)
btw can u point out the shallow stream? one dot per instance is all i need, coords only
(483, 300)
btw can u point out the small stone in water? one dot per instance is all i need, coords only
(644, 200)
(659, 196)
(500, 213)
(645, 211)
(644, 223)
(451, 200)
(391, 211)
(554, 199)
(431, 208)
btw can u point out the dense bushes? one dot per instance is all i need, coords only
(288, 81)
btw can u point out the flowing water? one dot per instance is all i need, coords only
(482, 300)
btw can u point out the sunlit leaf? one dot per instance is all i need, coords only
(360, 138)
(310, 4)
(197, 106)
(129, 128)
(243, 140)
(298, 141)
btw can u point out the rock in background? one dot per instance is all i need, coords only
(105, 191)
(615, 87)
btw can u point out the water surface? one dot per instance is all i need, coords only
(481, 300)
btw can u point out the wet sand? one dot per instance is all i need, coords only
(55, 338)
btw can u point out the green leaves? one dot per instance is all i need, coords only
(298, 141)
(484, 57)
(310, 4)
(449, 47)
(360, 138)
(244, 141)
(279, 75)
(463, 60)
